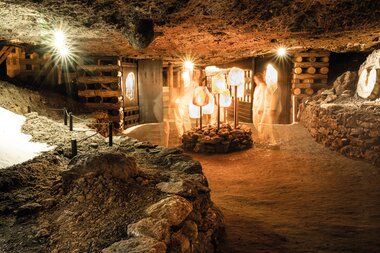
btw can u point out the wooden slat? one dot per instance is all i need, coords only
(311, 64)
(101, 68)
(132, 117)
(312, 54)
(4, 49)
(115, 118)
(128, 65)
(309, 76)
(4, 53)
(102, 93)
(105, 106)
(301, 85)
(131, 108)
(97, 79)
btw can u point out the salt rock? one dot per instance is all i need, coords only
(116, 165)
(158, 229)
(345, 82)
(137, 245)
(175, 209)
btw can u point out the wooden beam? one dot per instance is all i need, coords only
(105, 106)
(101, 93)
(101, 68)
(98, 79)
(309, 76)
(312, 54)
(311, 64)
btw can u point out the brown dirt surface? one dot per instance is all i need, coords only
(299, 198)
(18, 99)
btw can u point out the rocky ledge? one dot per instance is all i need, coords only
(211, 140)
(344, 122)
(132, 197)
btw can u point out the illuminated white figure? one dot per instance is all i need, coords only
(186, 78)
(130, 86)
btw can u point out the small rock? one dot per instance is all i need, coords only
(150, 227)
(175, 209)
(137, 245)
(94, 145)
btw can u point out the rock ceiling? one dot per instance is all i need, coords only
(208, 31)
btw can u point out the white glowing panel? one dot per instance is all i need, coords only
(194, 111)
(225, 98)
(236, 77)
(130, 86)
(218, 83)
(271, 78)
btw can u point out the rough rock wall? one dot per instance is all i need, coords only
(352, 131)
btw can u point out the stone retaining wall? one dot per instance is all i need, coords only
(353, 130)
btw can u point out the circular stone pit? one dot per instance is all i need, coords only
(211, 140)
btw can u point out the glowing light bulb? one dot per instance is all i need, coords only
(281, 51)
(59, 39)
(63, 51)
(189, 65)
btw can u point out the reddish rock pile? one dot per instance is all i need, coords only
(211, 140)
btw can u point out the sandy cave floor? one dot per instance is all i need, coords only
(300, 198)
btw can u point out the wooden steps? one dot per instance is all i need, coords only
(5, 51)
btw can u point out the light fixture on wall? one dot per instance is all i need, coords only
(189, 65)
(281, 51)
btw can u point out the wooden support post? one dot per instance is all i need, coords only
(71, 121)
(200, 117)
(294, 108)
(74, 148)
(236, 116)
(218, 119)
(65, 116)
(59, 74)
(110, 141)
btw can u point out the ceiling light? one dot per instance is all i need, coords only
(281, 51)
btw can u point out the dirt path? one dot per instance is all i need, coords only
(301, 198)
